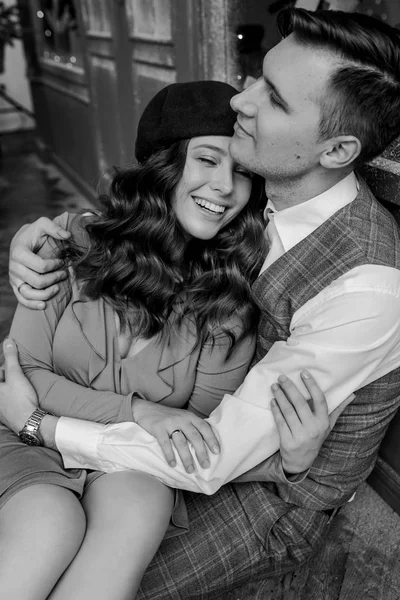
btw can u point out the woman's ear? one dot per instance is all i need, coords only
(340, 152)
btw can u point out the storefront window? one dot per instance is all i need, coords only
(61, 38)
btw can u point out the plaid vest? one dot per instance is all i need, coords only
(362, 232)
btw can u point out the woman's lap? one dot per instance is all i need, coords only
(22, 466)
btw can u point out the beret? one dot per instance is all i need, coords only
(182, 111)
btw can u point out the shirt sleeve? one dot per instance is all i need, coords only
(33, 332)
(348, 336)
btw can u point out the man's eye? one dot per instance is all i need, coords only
(273, 99)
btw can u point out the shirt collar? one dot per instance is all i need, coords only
(297, 222)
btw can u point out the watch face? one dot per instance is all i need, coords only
(29, 438)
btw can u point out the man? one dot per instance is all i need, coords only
(329, 289)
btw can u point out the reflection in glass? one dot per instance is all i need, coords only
(60, 33)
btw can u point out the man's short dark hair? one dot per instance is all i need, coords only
(363, 95)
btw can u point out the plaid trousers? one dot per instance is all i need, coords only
(242, 533)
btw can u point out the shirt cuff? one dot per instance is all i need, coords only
(75, 440)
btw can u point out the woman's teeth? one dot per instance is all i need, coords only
(215, 208)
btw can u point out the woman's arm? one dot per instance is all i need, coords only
(127, 446)
(218, 372)
(33, 332)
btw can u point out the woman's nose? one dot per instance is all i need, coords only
(223, 181)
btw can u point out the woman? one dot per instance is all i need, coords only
(158, 303)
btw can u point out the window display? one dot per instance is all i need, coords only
(61, 39)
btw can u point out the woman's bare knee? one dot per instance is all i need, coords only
(120, 497)
(127, 515)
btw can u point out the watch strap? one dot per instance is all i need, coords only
(31, 427)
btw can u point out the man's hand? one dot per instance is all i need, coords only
(32, 278)
(303, 426)
(178, 426)
(18, 399)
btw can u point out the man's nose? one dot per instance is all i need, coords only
(222, 182)
(245, 102)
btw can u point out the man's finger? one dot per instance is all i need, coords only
(335, 414)
(45, 226)
(29, 293)
(22, 258)
(11, 361)
(34, 304)
(36, 280)
(31, 234)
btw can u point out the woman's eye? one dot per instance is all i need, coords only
(244, 173)
(207, 160)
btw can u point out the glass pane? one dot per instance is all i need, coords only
(60, 33)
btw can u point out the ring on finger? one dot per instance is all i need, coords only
(175, 431)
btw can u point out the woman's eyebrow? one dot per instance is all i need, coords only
(211, 147)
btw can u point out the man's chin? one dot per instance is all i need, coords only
(238, 149)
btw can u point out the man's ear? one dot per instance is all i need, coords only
(340, 152)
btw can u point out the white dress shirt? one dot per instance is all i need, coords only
(348, 335)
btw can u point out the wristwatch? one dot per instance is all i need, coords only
(29, 434)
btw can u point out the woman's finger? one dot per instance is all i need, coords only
(208, 435)
(180, 442)
(320, 406)
(194, 436)
(164, 441)
(286, 408)
(295, 397)
(279, 419)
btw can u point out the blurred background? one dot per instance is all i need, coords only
(78, 73)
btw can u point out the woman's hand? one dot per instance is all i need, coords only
(303, 425)
(178, 426)
(18, 399)
(32, 278)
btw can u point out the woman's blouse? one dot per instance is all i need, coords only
(69, 352)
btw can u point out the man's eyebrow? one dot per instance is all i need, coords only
(285, 105)
(211, 147)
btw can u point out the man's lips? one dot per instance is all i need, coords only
(240, 129)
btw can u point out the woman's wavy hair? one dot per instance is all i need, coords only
(362, 97)
(137, 258)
